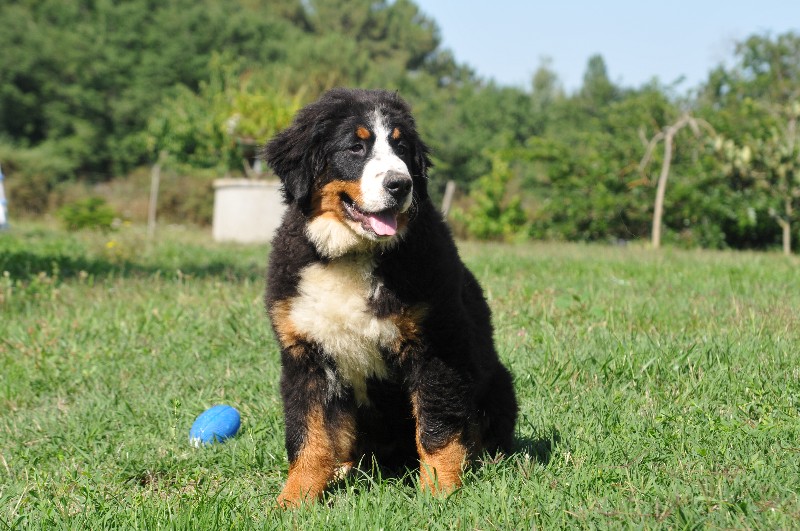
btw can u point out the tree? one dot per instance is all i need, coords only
(668, 137)
(82, 77)
(496, 210)
(218, 126)
(597, 89)
(546, 87)
(757, 103)
(79, 80)
(773, 164)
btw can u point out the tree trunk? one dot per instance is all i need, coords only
(658, 210)
(787, 239)
(786, 225)
(155, 178)
(449, 191)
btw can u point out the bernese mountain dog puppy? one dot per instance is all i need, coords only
(385, 336)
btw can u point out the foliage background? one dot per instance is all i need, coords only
(91, 91)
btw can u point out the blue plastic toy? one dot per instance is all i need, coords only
(215, 424)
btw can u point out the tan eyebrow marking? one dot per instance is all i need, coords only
(396, 133)
(363, 133)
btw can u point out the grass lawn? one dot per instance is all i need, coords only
(656, 390)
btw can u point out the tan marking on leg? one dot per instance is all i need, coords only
(440, 469)
(313, 468)
(287, 332)
(344, 440)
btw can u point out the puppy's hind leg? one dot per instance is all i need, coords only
(498, 407)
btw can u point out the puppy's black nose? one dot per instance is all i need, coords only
(397, 185)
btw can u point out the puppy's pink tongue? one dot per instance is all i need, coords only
(384, 224)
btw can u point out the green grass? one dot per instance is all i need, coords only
(657, 390)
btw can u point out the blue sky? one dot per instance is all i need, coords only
(639, 40)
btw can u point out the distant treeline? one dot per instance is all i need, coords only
(92, 89)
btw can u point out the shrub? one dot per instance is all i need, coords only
(187, 199)
(496, 210)
(31, 174)
(89, 213)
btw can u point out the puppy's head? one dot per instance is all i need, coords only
(356, 167)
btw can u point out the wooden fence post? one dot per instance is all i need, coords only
(155, 179)
(449, 190)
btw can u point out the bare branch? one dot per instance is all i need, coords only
(649, 152)
(642, 136)
(705, 125)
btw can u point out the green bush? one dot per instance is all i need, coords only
(496, 210)
(213, 127)
(31, 174)
(90, 213)
(187, 199)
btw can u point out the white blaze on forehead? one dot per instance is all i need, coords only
(381, 160)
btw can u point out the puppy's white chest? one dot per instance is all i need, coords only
(332, 309)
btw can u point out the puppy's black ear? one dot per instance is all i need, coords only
(290, 154)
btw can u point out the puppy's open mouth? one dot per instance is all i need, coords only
(383, 223)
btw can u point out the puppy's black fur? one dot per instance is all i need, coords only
(423, 383)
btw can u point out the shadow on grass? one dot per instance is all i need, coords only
(540, 448)
(25, 264)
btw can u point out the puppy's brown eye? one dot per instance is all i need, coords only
(401, 149)
(356, 149)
